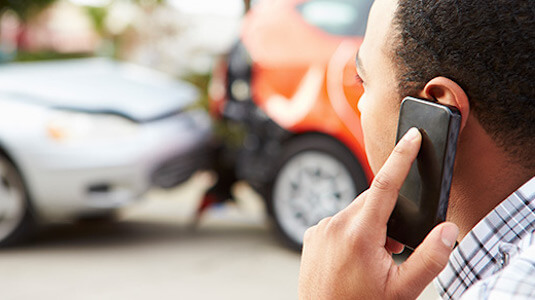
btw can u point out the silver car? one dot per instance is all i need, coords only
(86, 137)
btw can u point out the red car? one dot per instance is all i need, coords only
(291, 81)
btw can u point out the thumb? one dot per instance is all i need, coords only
(427, 261)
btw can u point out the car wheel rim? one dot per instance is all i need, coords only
(11, 201)
(311, 185)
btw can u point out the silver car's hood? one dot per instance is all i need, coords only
(97, 85)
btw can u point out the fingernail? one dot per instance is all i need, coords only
(412, 134)
(449, 235)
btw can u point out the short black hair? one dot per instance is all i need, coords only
(488, 48)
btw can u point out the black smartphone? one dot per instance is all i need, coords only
(423, 199)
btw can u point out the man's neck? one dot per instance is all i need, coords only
(483, 178)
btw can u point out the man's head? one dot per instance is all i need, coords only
(474, 54)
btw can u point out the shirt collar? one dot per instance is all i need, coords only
(488, 246)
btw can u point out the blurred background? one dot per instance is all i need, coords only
(175, 149)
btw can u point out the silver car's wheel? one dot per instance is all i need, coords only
(317, 178)
(13, 203)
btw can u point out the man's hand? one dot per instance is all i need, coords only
(348, 256)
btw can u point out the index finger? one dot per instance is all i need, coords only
(384, 190)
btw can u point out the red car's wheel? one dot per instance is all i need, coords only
(316, 177)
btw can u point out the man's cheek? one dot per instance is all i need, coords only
(373, 150)
(379, 144)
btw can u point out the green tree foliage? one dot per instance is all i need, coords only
(97, 16)
(24, 8)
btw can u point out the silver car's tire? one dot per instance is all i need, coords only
(15, 218)
(316, 177)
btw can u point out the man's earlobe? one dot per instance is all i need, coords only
(448, 92)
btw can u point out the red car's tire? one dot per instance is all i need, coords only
(314, 158)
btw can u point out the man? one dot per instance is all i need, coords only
(476, 55)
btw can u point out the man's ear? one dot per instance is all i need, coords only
(448, 92)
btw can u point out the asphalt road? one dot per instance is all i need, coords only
(155, 252)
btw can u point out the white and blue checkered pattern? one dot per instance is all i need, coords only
(495, 252)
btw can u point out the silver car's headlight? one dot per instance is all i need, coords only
(69, 126)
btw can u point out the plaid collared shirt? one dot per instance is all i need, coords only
(501, 241)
